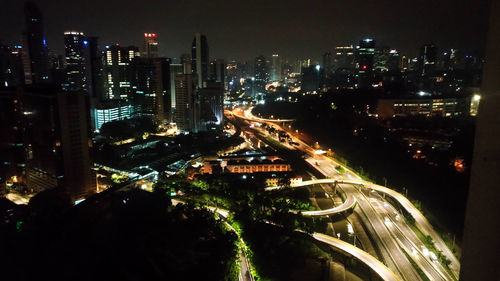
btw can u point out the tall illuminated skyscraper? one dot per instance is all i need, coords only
(150, 46)
(200, 57)
(34, 51)
(118, 73)
(275, 68)
(75, 45)
(261, 74)
(365, 53)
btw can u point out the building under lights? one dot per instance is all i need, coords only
(211, 106)
(344, 57)
(445, 107)
(365, 53)
(150, 46)
(77, 70)
(275, 73)
(118, 74)
(114, 110)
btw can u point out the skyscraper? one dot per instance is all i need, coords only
(275, 68)
(77, 72)
(56, 137)
(328, 64)
(151, 83)
(94, 64)
(211, 106)
(34, 52)
(185, 103)
(200, 57)
(261, 74)
(365, 53)
(11, 73)
(427, 60)
(118, 74)
(150, 46)
(218, 70)
(344, 57)
(12, 146)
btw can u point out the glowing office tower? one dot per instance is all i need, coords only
(150, 46)
(275, 68)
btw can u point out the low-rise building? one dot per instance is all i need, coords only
(432, 106)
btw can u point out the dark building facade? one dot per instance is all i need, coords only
(261, 74)
(186, 103)
(427, 60)
(365, 53)
(200, 58)
(51, 128)
(311, 78)
(218, 71)
(212, 106)
(151, 84)
(34, 51)
(12, 156)
(11, 70)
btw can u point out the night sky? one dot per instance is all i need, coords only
(245, 29)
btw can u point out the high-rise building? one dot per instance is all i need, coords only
(450, 60)
(150, 46)
(151, 83)
(11, 73)
(218, 70)
(77, 71)
(175, 68)
(344, 57)
(200, 58)
(311, 78)
(51, 127)
(275, 73)
(34, 51)
(211, 106)
(186, 116)
(12, 156)
(261, 74)
(118, 73)
(393, 60)
(427, 60)
(365, 53)
(328, 65)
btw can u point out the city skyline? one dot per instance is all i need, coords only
(242, 33)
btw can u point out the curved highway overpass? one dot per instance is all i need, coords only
(349, 203)
(385, 273)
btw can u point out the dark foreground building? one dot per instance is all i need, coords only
(51, 140)
(481, 247)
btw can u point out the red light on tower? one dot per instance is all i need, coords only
(364, 67)
(154, 34)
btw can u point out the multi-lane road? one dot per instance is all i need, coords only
(398, 245)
